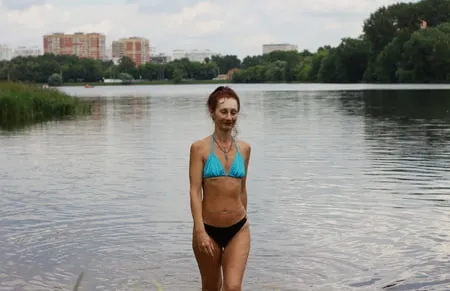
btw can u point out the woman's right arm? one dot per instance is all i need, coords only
(195, 191)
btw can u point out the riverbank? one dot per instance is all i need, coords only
(23, 104)
(159, 82)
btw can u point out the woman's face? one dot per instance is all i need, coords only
(226, 113)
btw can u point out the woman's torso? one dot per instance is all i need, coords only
(222, 185)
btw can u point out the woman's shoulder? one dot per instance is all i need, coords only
(200, 145)
(244, 146)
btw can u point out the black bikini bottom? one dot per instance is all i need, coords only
(223, 235)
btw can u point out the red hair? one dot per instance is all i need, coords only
(221, 92)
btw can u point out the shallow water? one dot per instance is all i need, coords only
(348, 190)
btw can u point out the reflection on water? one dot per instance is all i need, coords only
(348, 190)
(408, 132)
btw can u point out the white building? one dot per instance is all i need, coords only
(193, 55)
(5, 53)
(108, 53)
(160, 58)
(199, 55)
(178, 54)
(268, 48)
(24, 51)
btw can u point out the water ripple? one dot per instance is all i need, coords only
(345, 193)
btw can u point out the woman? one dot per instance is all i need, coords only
(218, 195)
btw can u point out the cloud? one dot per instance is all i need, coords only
(234, 26)
(162, 6)
(200, 19)
(20, 4)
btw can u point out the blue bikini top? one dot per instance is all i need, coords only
(214, 168)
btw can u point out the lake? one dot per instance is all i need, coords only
(348, 188)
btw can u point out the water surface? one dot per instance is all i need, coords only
(349, 189)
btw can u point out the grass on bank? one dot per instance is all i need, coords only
(22, 104)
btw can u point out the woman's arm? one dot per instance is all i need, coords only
(247, 151)
(195, 180)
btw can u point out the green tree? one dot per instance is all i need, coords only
(126, 78)
(178, 75)
(351, 59)
(386, 63)
(55, 80)
(127, 65)
(383, 25)
(426, 56)
(226, 63)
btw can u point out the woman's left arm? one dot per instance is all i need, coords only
(244, 181)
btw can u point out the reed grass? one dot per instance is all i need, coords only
(23, 104)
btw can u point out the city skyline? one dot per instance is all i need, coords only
(225, 28)
(93, 45)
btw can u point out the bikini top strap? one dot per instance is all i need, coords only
(212, 143)
(237, 147)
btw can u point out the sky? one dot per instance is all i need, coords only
(237, 27)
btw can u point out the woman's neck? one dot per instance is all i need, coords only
(222, 136)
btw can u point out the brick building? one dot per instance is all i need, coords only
(136, 48)
(83, 45)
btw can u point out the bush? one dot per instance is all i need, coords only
(55, 80)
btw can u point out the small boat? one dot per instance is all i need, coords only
(88, 86)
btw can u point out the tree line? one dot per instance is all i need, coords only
(400, 43)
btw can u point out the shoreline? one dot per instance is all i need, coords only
(229, 82)
(145, 83)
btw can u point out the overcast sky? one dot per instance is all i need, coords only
(228, 27)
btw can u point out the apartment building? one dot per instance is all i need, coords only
(27, 51)
(268, 48)
(160, 58)
(5, 53)
(136, 48)
(83, 45)
(194, 55)
(108, 53)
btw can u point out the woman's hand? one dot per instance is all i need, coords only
(204, 243)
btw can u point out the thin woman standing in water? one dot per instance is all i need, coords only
(218, 197)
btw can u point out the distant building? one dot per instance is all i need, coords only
(160, 58)
(179, 54)
(89, 45)
(193, 55)
(199, 55)
(24, 51)
(268, 48)
(108, 53)
(231, 72)
(6, 53)
(136, 48)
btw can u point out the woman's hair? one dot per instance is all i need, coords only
(220, 92)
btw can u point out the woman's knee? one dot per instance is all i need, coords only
(212, 283)
(232, 285)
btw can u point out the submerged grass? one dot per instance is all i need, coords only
(24, 104)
